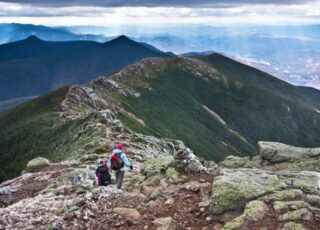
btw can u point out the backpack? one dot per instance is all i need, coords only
(103, 175)
(116, 162)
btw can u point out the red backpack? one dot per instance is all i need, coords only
(116, 162)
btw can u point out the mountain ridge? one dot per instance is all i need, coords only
(215, 112)
(48, 65)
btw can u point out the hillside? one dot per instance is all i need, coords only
(217, 106)
(33, 66)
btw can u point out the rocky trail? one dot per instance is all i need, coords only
(169, 189)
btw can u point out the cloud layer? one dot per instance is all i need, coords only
(94, 12)
(155, 3)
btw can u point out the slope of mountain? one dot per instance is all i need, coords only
(217, 106)
(33, 67)
(8, 104)
(14, 32)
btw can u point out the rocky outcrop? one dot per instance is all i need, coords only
(278, 156)
(251, 189)
(277, 152)
(36, 164)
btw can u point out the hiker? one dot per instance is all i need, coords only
(117, 163)
(103, 175)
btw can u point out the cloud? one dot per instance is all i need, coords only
(79, 14)
(154, 3)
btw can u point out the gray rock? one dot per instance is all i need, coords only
(166, 223)
(128, 213)
(277, 152)
(254, 211)
(186, 161)
(300, 214)
(292, 226)
(234, 162)
(236, 187)
(36, 164)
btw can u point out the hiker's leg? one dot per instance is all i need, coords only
(116, 174)
(120, 179)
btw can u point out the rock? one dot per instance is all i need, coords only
(90, 157)
(300, 214)
(76, 202)
(157, 165)
(7, 190)
(186, 161)
(169, 201)
(36, 164)
(292, 226)
(290, 194)
(280, 206)
(313, 199)
(166, 223)
(155, 194)
(68, 216)
(254, 211)
(235, 187)
(129, 213)
(205, 203)
(234, 162)
(277, 152)
(171, 173)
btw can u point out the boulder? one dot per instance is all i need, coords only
(236, 187)
(254, 211)
(128, 213)
(292, 226)
(186, 161)
(300, 214)
(277, 152)
(166, 223)
(7, 190)
(290, 194)
(36, 164)
(155, 194)
(234, 162)
(157, 165)
(281, 206)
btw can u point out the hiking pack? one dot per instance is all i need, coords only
(116, 162)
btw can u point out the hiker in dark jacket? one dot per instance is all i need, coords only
(117, 162)
(103, 175)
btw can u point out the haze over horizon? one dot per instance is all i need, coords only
(279, 37)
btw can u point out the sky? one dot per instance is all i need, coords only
(113, 12)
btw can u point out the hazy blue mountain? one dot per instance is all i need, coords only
(33, 66)
(15, 32)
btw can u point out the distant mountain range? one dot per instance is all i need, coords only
(14, 32)
(33, 66)
(216, 105)
(291, 53)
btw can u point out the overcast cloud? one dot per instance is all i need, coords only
(94, 12)
(165, 3)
